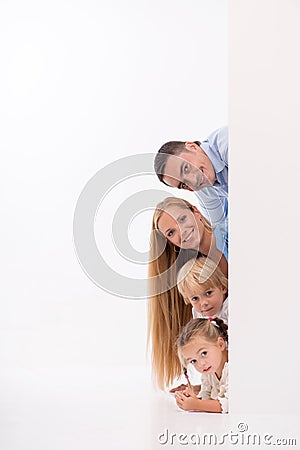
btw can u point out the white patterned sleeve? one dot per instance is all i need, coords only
(223, 393)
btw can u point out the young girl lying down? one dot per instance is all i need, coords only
(203, 344)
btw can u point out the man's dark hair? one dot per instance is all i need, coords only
(170, 148)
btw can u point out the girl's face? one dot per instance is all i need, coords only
(182, 227)
(205, 356)
(207, 302)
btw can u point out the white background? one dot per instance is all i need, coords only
(83, 84)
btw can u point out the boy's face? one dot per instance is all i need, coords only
(207, 302)
(191, 170)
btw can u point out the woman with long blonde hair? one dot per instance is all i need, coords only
(179, 233)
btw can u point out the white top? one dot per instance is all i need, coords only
(214, 389)
(222, 314)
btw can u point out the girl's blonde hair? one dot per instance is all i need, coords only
(201, 272)
(167, 312)
(209, 329)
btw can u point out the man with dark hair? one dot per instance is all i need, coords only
(201, 167)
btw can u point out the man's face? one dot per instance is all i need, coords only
(191, 170)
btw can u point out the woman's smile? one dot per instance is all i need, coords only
(189, 236)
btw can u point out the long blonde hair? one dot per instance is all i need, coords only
(167, 312)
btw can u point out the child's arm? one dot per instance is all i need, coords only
(189, 402)
(193, 403)
(183, 387)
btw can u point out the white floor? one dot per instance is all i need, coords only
(83, 409)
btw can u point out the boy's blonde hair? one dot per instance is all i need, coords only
(202, 272)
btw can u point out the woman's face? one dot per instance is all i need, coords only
(182, 227)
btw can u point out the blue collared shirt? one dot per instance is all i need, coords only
(214, 199)
(221, 234)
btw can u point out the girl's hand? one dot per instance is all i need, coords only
(189, 392)
(196, 389)
(182, 387)
(187, 400)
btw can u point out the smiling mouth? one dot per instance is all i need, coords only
(207, 369)
(189, 236)
(203, 180)
(204, 312)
